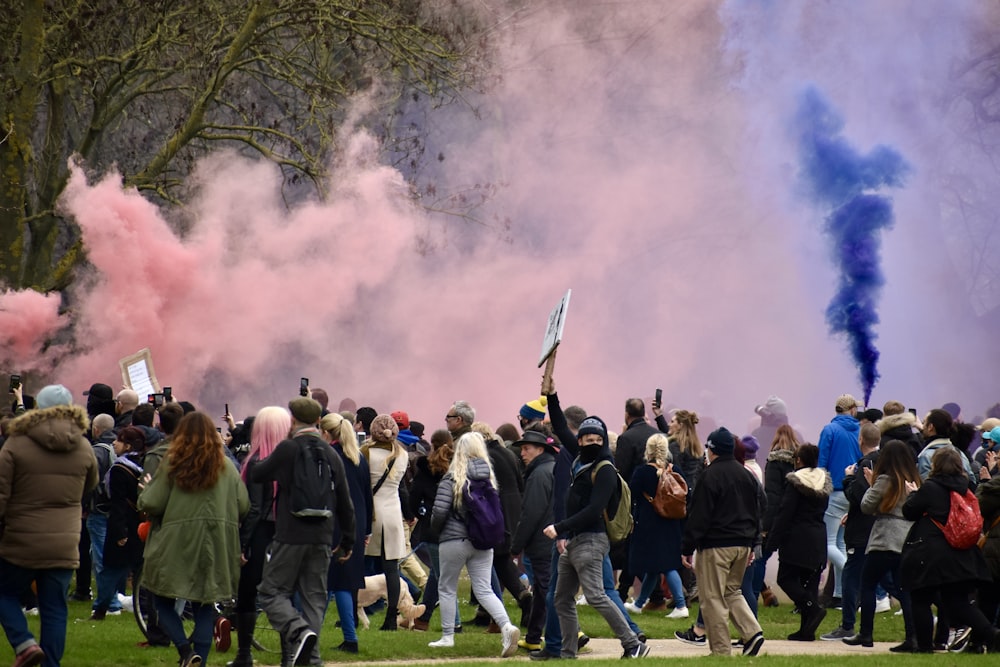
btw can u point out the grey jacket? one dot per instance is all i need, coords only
(447, 520)
(890, 530)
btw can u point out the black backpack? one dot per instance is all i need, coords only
(311, 496)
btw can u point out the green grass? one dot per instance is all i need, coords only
(113, 641)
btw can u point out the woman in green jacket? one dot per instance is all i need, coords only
(193, 552)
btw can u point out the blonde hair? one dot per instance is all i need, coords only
(485, 430)
(658, 450)
(342, 431)
(687, 439)
(469, 446)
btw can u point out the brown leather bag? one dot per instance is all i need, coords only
(670, 500)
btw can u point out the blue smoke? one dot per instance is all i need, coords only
(840, 180)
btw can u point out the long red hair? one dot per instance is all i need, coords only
(195, 457)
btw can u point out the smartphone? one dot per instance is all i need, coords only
(168, 394)
(15, 382)
(227, 409)
(303, 386)
(156, 400)
(219, 429)
(913, 411)
(362, 436)
(658, 401)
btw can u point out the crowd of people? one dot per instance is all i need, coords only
(121, 489)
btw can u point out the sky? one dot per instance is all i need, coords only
(644, 155)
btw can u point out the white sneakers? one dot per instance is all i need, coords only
(448, 641)
(632, 608)
(679, 612)
(883, 605)
(510, 633)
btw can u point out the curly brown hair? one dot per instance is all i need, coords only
(195, 456)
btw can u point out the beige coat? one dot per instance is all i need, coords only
(387, 519)
(46, 467)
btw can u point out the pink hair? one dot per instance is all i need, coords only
(270, 426)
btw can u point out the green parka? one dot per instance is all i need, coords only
(193, 550)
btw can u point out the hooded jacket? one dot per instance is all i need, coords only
(799, 533)
(890, 529)
(900, 427)
(838, 447)
(780, 462)
(989, 506)
(587, 500)
(927, 454)
(46, 468)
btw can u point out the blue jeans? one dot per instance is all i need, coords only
(97, 527)
(171, 623)
(836, 550)
(746, 587)
(651, 580)
(553, 633)
(612, 592)
(53, 586)
(345, 610)
(851, 589)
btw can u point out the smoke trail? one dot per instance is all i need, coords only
(840, 179)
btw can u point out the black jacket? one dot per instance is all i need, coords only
(900, 427)
(562, 476)
(261, 506)
(536, 509)
(289, 529)
(631, 450)
(422, 493)
(798, 533)
(927, 559)
(859, 525)
(726, 508)
(687, 465)
(586, 500)
(511, 486)
(780, 462)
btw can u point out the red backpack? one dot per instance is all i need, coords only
(964, 524)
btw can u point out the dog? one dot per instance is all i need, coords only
(374, 591)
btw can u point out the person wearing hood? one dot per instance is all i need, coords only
(934, 571)
(838, 448)
(455, 550)
(898, 424)
(46, 467)
(594, 489)
(798, 534)
(724, 527)
(938, 429)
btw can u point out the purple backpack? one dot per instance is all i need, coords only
(483, 514)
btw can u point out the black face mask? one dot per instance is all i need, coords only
(590, 453)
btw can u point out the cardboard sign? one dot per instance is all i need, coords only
(554, 331)
(138, 374)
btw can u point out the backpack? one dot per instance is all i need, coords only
(483, 514)
(964, 524)
(619, 523)
(670, 500)
(100, 497)
(311, 496)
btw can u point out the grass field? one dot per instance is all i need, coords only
(113, 641)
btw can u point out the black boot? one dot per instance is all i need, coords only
(245, 623)
(524, 602)
(391, 616)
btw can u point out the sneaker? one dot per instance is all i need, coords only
(640, 651)
(543, 655)
(581, 640)
(633, 608)
(510, 634)
(193, 660)
(114, 612)
(689, 637)
(680, 612)
(581, 600)
(29, 657)
(445, 642)
(348, 647)
(302, 646)
(838, 634)
(960, 641)
(523, 643)
(222, 634)
(883, 605)
(80, 596)
(752, 645)
(32, 611)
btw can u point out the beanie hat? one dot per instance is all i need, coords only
(54, 394)
(952, 409)
(534, 410)
(750, 446)
(872, 414)
(721, 441)
(845, 402)
(384, 428)
(402, 419)
(417, 429)
(305, 410)
(593, 426)
(773, 406)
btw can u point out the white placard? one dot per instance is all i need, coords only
(138, 374)
(554, 331)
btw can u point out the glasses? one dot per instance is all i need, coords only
(451, 416)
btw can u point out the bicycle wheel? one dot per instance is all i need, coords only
(266, 638)
(142, 605)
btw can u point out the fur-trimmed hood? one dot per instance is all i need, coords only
(814, 482)
(782, 455)
(894, 421)
(57, 428)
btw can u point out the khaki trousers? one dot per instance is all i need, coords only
(720, 576)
